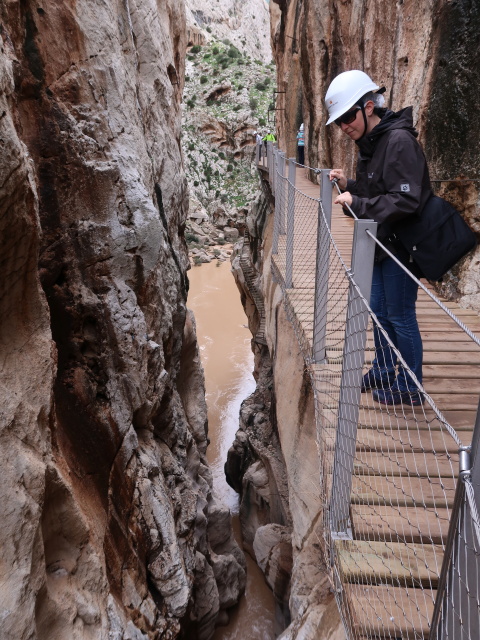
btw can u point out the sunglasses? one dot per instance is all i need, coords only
(347, 117)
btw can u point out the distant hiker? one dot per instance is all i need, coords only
(258, 137)
(269, 137)
(301, 145)
(392, 183)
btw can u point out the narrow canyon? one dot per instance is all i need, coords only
(127, 132)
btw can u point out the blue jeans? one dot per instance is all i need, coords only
(392, 300)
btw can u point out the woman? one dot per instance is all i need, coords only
(392, 183)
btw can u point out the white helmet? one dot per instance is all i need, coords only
(346, 90)
(301, 127)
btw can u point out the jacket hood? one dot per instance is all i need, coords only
(402, 119)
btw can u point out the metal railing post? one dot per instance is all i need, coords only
(274, 168)
(269, 160)
(282, 164)
(456, 614)
(276, 215)
(363, 252)
(257, 153)
(292, 173)
(322, 268)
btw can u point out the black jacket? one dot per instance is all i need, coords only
(392, 180)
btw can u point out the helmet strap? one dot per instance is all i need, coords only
(362, 107)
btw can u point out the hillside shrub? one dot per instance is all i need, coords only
(191, 146)
(229, 167)
(196, 48)
(215, 50)
(203, 79)
(253, 102)
(196, 183)
(191, 237)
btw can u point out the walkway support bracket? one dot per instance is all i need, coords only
(322, 268)
(363, 252)
(292, 172)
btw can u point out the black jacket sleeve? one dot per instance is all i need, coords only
(401, 182)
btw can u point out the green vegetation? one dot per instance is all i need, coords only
(213, 172)
(196, 48)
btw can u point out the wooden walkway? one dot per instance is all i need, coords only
(406, 462)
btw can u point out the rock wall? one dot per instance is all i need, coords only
(425, 53)
(110, 527)
(244, 22)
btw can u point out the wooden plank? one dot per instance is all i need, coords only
(405, 440)
(375, 416)
(400, 524)
(373, 562)
(406, 464)
(429, 493)
(451, 385)
(465, 371)
(456, 358)
(391, 612)
(445, 345)
(455, 334)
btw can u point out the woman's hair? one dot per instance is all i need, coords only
(377, 99)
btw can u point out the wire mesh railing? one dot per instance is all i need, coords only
(401, 533)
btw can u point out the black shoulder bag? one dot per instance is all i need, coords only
(436, 238)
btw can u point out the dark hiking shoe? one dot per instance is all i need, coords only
(394, 396)
(369, 381)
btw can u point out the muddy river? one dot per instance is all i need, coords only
(228, 362)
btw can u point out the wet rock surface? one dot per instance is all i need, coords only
(106, 491)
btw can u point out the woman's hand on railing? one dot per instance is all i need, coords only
(344, 199)
(340, 177)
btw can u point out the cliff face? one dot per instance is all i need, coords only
(244, 22)
(424, 53)
(110, 527)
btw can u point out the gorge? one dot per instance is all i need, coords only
(112, 529)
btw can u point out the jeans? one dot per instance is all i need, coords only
(392, 300)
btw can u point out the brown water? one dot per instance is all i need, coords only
(224, 341)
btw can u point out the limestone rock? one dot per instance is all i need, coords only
(231, 234)
(273, 551)
(105, 487)
(244, 22)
